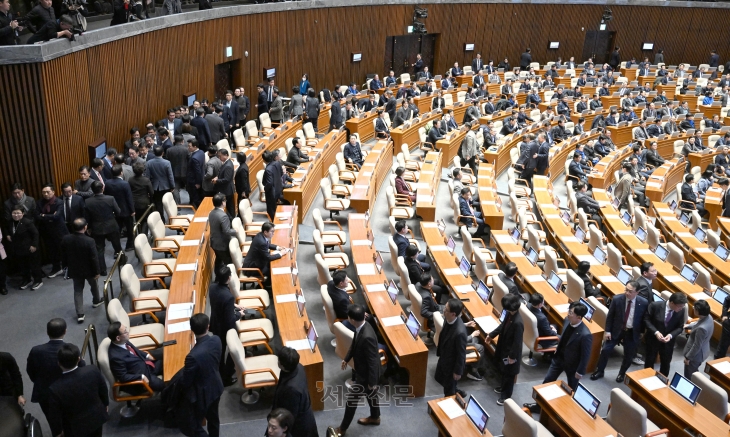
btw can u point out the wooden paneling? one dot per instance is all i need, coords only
(54, 109)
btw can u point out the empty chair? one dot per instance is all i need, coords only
(117, 387)
(405, 280)
(551, 264)
(469, 249)
(614, 259)
(499, 291)
(675, 256)
(595, 238)
(532, 338)
(254, 372)
(533, 242)
(330, 239)
(653, 237)
(239, 138)
(160, 240)
(400, 208)
(334, 261)
(143, 337)
(348, 172)
(481, 269)
(151, 268)
(332, 204)
(629, 418)
(260, 184)
(252, 132)
(712, 396)
(704, 279)
(338, 189)
(254, 299)
(143, 300)
(519, 423)
(250, 226)
(574, 288)
(309, 134)
(243, 242)
(713, 239)
(171, 210)
(393, 253)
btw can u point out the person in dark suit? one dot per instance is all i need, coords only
(101, 213)
(690, 199)
(292, 394)
(79, 256)
(353, 152)
(21, 240)
(507, 276)
(508, 352)
(623, 325)
(645, 281)
(108, 162)
(451, 349)
(544, 328)
(201, 124)
(217, 124)
(178, 157)
(418, 65)
(223, 182)
(72, 205)
(159, 171)
(435, 134)
(697, 348)
(261, 103)
(469, 214)
(241, 178)
(194, 177)
(231, 113)
(663, 322)
(615, 60)
(220, 232)
(543, 153)
(128, 363)
(79, 400)
(477, 63)
(530, 163)
(51, 226)
(142, 193)
(429, 302)
(364, 353)
(574, 348)
(400, 239)
(337, 291)
(272, 183)
(416, 270)
(121, 191)
(336, 120)
(11, 381)
(724, 343)
(259, 255)
(714, 59)
(381, 129)
(201, 382)
(171, 123)
(223, 317)
(296, 155)
(164, 140)
(525, 59)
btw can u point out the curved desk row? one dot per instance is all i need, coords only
(275, 140)
(371, 176)
(489, 200)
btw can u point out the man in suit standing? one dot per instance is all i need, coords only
(101, 214)
(477, 63)
(223, 317)
(120, 190)
(271, 180)
(178, 157)
(364, 353)
(202, 126)
(543, 153)
(223, 182)
(648, 274)
(451, 349)
(80, 257)
(171, 123)
(418, 65)
(276, 110)
(160, 173)
(623, 324)
(127, 363)
(217, 125)
(261, 104)
(51, 226)
(574, 348)
(79, 400)
(697, 348)
(336, 120)
(220, 232)
(259, 255)
(211, 169)
(615, 59)
(292, 394)
(508, 352)
(525, 59)
(231, 113)
(194, 177)
(714, 59)
(663, 321)
(201, 382)
(73, 205)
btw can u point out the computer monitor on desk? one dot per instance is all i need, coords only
(312, 336)
(555, 281)
(722, 252)
(515, 234)
(464, 266)
(661, 252)
(689, 273)
(532, 256)
(685, 388)
(413, 325)
(719, 295)
(626, 218)
(586, 400)
(392, 290)
(476, 414)
(700, 234)
(684, 219)
(623, 276)
(483, 291)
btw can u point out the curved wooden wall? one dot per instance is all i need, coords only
(54, 109)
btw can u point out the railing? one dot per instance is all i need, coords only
(108, 288)
(139, 222)
(90, 335)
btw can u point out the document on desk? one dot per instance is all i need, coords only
(570, 239)
(452, 272)
(487, 323)
(699, 296)
(178, 327)
(298, 344)
(180, 311)
(590, 258)
(652, 383)
(439, 247)
(684, 235)
(427, 199)
(664, 211)
(189, 267)
(430, 225)
(391, 321)
(673, 278)
(625, 232)
(360, 243)
(451, 408)
(464, 288)
(283, 215)
(515, 254)
(283, 226)
(281, 271)
(607, 279)
(643, 251)
(562, 308)
(504, 239)
(372, 288)
(185, 243)
(551, 392)
(284, 298)
(426, 172)
(534, 278)
(702, 250)
(722, 367)
(200, 219)
(365, 269)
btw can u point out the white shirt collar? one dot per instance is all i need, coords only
(69, 371)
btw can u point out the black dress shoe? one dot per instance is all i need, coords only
(230, 382)
(620, 377)
(596, 375)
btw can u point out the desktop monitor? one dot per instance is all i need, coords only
(700, 234)
(591, 309)
(626, 218)
(623, 276)
(719, 295)
(641, 234)
(600, 255)
(465, 266)
(392, 291)
(673, 205)
(451, 245)
(515, 234)
(312, 336)
(97, 149)
(483, 291)
(661, 252)
(580, 234)
(378, 262)
(586, 400)
(722, 252)
(413, 325)
(684, 218)
(189, 99)
(555, 281)
(502, 316)
(300, 302)
(532, 256)
(685, 388)
(477, 414)
(689, 273)
(269, 72)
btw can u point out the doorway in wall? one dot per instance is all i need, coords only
(598, 45)
(401, 51)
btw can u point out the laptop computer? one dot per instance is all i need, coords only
(722, 252)
(502, 316)
(661, 252)
(591, 309)
(599, 254)
(465, 266)
(685, 388)
(555, 281)
(413, 325)
(476, 414)
(378, 259)
(532, 256)
(673, 205)
(566, 217)
(451, 245)
(689, 274)
(626, 218)
(580, 234)
(684, 218)
(656, 297)
(623, 276)
(392, 291)
(700, 234)
(312, 336)
(586, 400)
(641, 234)
(483, 291)
(515, 234)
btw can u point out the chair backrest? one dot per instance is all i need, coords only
(236, 256)
(499, 291)
(613, 258)
(461, 96)
(405, 280)
(323, 272)
(712, 396)
(251, 130)
(169, 205)
(117, 313)
(595, 238)
(438, 324)
(582, 218)
(678, 144)
(391, 224)
(325, 186)
(480, 263)
(405, 77)
(713, 240)
(344, 337)
(574, 288)
(333, 174)
(318, 244)
(516, 422)
(448, 99)
(530, 322)
(703, 276)
(237, 226)
(393, 253)
(601, 313)
(329, 309)
(309, 131)
(417, 302)
(712, 140)
(467, 244)
(696, 220)
(652, 235)
(245, 211)
(235, 349)
(317, 219)
(676, 256)
(102, 356)
(626, 416)
(223, 144)
(154, 222)
(533, 239)
(142, 249)
(130, 281)
(639, 219)
(551, 261)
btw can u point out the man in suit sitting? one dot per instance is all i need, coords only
(353, 152)
(508, 279)
(469, 215)
(544, 328)
(259, 255)
(648, 274)
(690, 199)
(623, 324)
(429, 305)
(416, 270)
(664, 322)
(697, 349)
(101, 213)
(364, 353)
(79, 399)
(201, 382)
(120, 190)
(400, 239)
(129, 364)
(574, 348)
(337, 291)
(220, 231)
(451, 349)
(472, 112)
(381, 129)
(508, 352)
(577, 169)
(404, 114)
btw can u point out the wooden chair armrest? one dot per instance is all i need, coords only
(144, 313)
(534, 222)
(169, 250)
(257, 328)
(352, 167)
(255, 371)
(467, 170)
(470, 217)
(339, 201)
(657, 432)
(527, 411)
(168, 239)
(157, 279)
(346, 187)
(537, 347)
(260, 213)
(398, 208)
(333, 222)
(251, 269)
(156, 263)
(384, 356)
(473, 349)
(183, 229)
(180, 217)
(727, 418)
(120, 385)
(335, 234)
(146, 335)
(263, 305)
(187, 207)
(424, 146)
(155, 298)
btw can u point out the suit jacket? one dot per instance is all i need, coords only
(220, 230)
(451, 350)
(414, 270)
(401, 187)
(510, 343)
(232, 114)
(616, 312)
(525, 61)
(292, 393)
(402, 242)
(51, 223)
(353, 153)
(122, 194)
(543, 325)
(11, 381)
(78, 402)
(697, 348)
(258, 253)
(577, 350)
(127, 367)
(645, 289)
(336, 115)
(42, 368)
(477, 64)
(465, 210)
(689, 195)
(623, 189)
(222, 309)
(401, 116)
(177, 126)
(428, 305)
(296, 156)
(472, 113)
(543, 153)
(160, 173)
(438, 103)
(276, 111)
(224, 184)
(272, 181)
(243, 185)
(217, 127)
(196, 168)
(200, 377)
(364, 352)
(79, 256)
(178, 157)
(101, 211)
(142, 191)
(654, 321)
(76, 211)
(653, 158)
(201, 124)
(340, 300)
(511, 285)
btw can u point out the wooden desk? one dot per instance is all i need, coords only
(450, 144)
(717, 376)
(314, 171)
(564, 417)
(669, 410)
(371, 176)
(713, 205)
(409, 135)
(489, 200)
(186, 284)
(702, 160)
(427, 186)
(411, 355)
(273, 141)
(323, 121)
(664, 180)
(290, 325)
(363, 126)
(457, 427)
(620, 135)
(602, 175)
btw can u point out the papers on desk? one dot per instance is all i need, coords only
(684, 235)
(451, 408)
(654, 184)
(625, 232)
(602, 203)
(430, 225)
(367, 174)
(190, 217)
(551, 392)
(360, 243)
(417, 185)
(670, 218)
(611, 216)
(714, 190)
(357, 216)
(189, 267)
(185, 243)
(281, 271)
(284, 298)
(372, 288)
(643, 252)
(722, 367)
(365, 269)
(562, 308)
(503, 239)
(464, 288)
(702, 250)
(487, 323)
(664, 211)
(283, 226)
(551, 216)
(200, 219)
(178, 327)
(652, 383)
(534, 278)
(590, 258)
(570, 239)
(180, 311)
(391, 321)
(607, 279)
(283, 215)
(362, 187)
(299, 179)
(699, 296)
(298, 344)
(515, 254)
(452, 272)
(438, 248)
(674, 278)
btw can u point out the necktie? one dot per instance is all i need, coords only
(627, 312)
(67, 212)
(668, 318)
(148, 362)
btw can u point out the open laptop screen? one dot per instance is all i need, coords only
(722, 252)
(626, 218)
(591, 309)
(661, 252)
(532, 256)
(623, 276)
(413, 325)
(586, 400)
(312, 336)
(392, 291)
(641, 234)
(599, 254)
(378, 262)
(483, 291)
(451, 245)
(700, 234)
(657, 297)
(719, 295)
(464, 266)
(685, 388)
(555, 281)
(477, 414)
(580, 234)
(515, 235)
(684, 218)
(689, 273)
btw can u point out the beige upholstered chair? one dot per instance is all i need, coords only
(254, 372)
